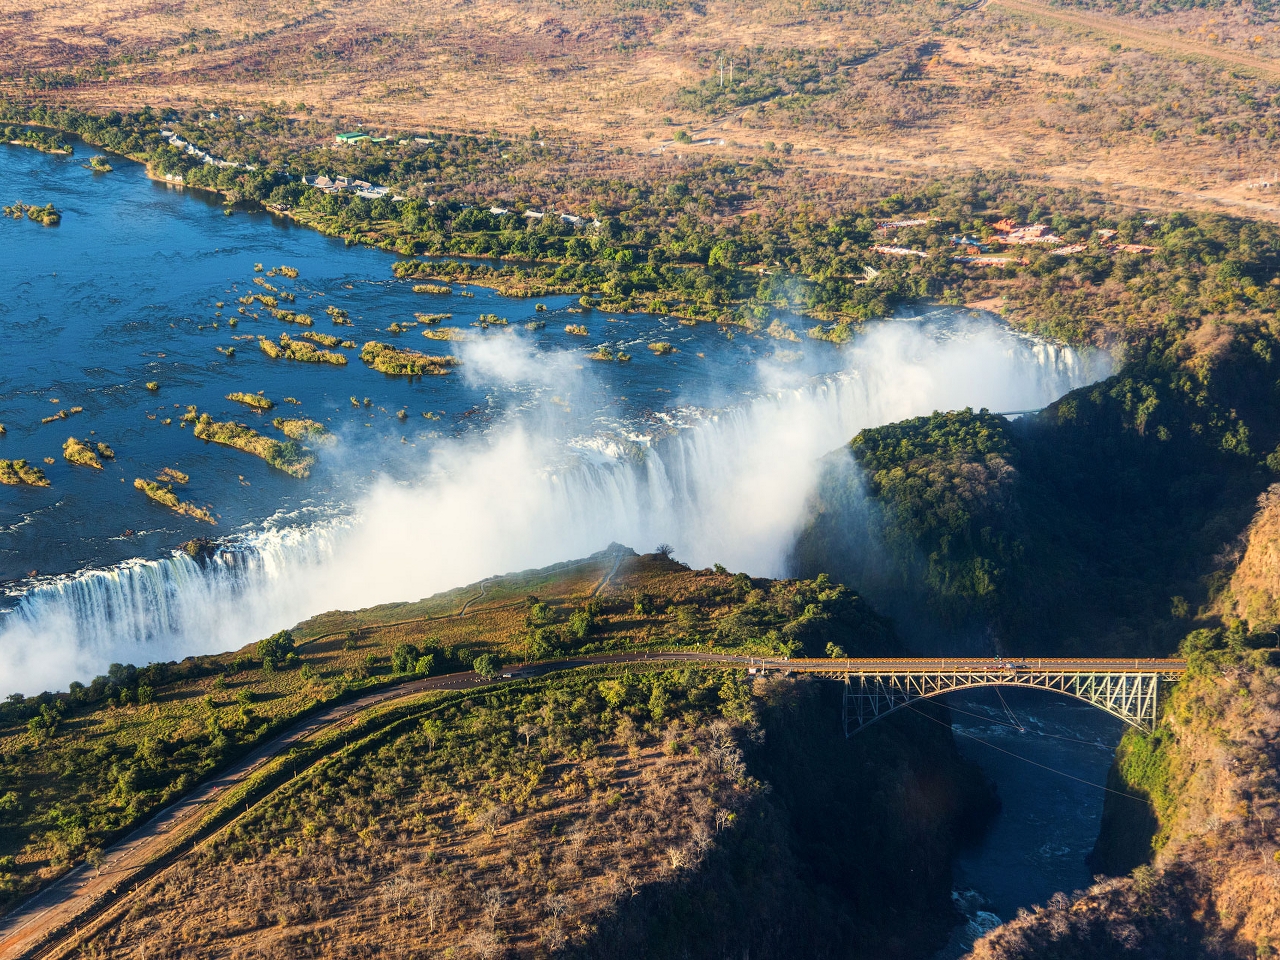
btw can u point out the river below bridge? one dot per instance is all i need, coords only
(1050, 814)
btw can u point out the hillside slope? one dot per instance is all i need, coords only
(612, 814)
(1253, 595)
(1211, 779)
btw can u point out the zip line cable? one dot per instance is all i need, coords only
(1061, 773)
(1007, 710)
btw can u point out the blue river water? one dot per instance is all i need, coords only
(1048, 756)
(126, 291)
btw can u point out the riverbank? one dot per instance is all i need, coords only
(691, 242)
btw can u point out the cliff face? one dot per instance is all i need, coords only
(1254, 592)
(1092, 528)
(1210, 774)
(846, 853)
(602, 813)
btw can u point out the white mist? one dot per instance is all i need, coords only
(728, 486)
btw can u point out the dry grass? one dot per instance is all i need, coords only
(412, 852)
(1076, 96)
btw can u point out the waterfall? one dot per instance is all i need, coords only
(72, 627)
(725, 486)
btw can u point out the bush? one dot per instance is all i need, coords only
(273, 649)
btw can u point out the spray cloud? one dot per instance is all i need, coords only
(724, 486)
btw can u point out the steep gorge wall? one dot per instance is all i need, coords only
(1210, 773)
(1253, 594)
(845, 854)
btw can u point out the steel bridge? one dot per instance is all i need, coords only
(874, 688)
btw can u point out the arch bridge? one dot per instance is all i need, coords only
(875, 688)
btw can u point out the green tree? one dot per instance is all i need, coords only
(580, 624)
(432, 730)
(486, 665)
(273, 649)
(404, 658)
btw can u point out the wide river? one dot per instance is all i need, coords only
(528, 454)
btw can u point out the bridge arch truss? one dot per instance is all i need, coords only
(1132, 695)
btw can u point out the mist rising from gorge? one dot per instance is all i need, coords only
(727, 485)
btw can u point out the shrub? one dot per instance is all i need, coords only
(486, 665)
(15, 473)
(255, 400)
(273, 649)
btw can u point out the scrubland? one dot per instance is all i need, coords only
(82, 765)
(1173, 106)
(1213, 887)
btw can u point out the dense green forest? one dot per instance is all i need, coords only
(1091, 527)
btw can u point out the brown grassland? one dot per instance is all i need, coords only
(1159, 106)
(612, 811)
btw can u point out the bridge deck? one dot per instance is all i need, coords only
(934, 665)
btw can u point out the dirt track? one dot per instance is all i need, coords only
(38, 925)
(1153, 41)
(50, 922)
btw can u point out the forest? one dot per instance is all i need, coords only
(1012, 525)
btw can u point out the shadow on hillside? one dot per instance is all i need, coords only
(845, 853)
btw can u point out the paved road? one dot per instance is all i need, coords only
(73, 897)
(76, 897)
(1164, 666)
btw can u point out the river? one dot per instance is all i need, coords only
(1048, 756)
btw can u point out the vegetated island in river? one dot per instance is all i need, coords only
(47, 215)
(326, 339)
(254, 400)
(77, 452)
(394, 360)
(18, 473)
(299, 350)
(166, 497)
(289, 456)
(303, 429)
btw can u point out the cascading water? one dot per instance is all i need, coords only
(173, 607)
(726, 486)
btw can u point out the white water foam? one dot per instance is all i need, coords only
(726, 486)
